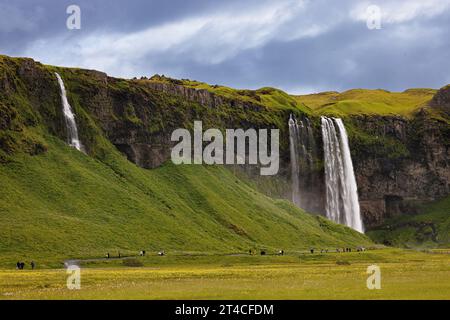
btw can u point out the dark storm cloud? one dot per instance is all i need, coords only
(299, 46)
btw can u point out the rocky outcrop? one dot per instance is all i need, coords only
(202, 96)
(409, 166)
(441, 99)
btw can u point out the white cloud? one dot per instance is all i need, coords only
(207, 39)
(255, 44)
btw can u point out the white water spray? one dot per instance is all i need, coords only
(342, 204)
(72, 131)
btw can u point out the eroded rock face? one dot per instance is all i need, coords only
(442, 99)
(202, 96)
(396, 182)
(138, 117)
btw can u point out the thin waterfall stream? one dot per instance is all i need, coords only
(69, 117)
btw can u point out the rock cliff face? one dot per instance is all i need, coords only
(442, 99)
(398, 162)
(138, 117)
(415, 170)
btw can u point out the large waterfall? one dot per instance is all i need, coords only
(302, 151)
(72, 131)
(342, 204)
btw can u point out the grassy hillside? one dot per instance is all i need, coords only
(363, 101)
(63, 203)
(58, 203)
(430, 228)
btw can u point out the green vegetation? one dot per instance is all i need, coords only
(404, 275)
(368, 102)
(63, 203)
(430, 228)
(370, 144)
(19, 110)
(58, 203)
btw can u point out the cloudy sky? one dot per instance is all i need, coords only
(299, 46)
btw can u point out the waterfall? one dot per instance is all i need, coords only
(302, 151)
(293, 146)
(69, 117)
(342, 204)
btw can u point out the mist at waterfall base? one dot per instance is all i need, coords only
(341, 196)
(342, 203)
(69, 117)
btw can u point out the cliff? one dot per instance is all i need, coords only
(400, 163)
(401, 160)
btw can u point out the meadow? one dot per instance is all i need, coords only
(405, 274)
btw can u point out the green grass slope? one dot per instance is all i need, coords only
(369, 102)
(63, 203)
(430, 228)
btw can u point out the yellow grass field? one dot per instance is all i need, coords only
(404, 275)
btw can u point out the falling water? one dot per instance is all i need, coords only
(302, 150)
(307, 146)
(72, 131)
(293, 145)
(342, 204)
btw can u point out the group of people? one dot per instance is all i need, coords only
(263, 252)
(109, 256)
(312, 250)
(359, 249)
(21, 265)
(141, 253)
(118, 255)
